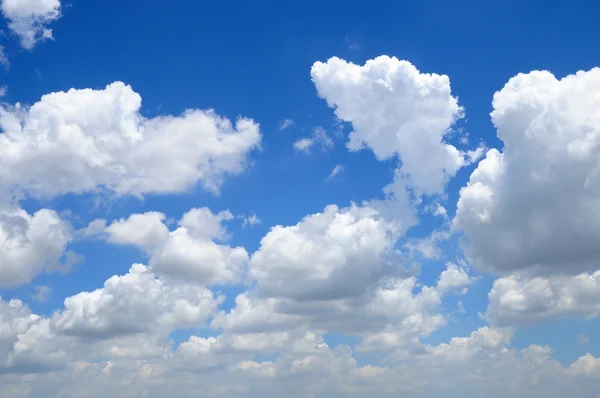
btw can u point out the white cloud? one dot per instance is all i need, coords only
(536, 205)
(319, 137)
(137, 302)
(303, 144)
(190, 251)
(304, 365)
(285, 123)
(453, 277)
(29, 19)
(6, 63)
(339, 168)
(396, 111)
(332, 254)
(338, 271)
(144, 230)
(439, 210)
(250, 221)
(464, 348)
(517, 300)
(586, 365)
(3, 89)
(88, 140)
(30, 244)
(427, 247)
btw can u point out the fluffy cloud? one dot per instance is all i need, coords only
(481, 341)
(29, 19)
(86, 140)
(137, 302)
(327, 255)
(395, 110)
(517, 300)
(453, 277)
(130, 317)
(190, 251)
(15, 319)
(586, 365)
(30, 244)
(536, 205)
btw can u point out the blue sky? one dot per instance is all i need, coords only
(258, 60)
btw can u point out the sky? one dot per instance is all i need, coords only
(301, 199)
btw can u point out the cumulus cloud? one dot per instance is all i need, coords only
(535, 205)
(130, 317)
(587, 365)
(332, 254)
(137, 302)
(190, 252)
(454, 277)
(86, 140)
(518, 300)
(30, 244)
(395, 110)
(464, 348)
(29, 19)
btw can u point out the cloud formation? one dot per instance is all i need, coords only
(535, 205)
(90, 140)
(29, 19)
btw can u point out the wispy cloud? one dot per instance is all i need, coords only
(285, 123)
(582, 338)
(336, 170)
(42, 293)
(3, 58)
(319, 136)
(250, 221)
